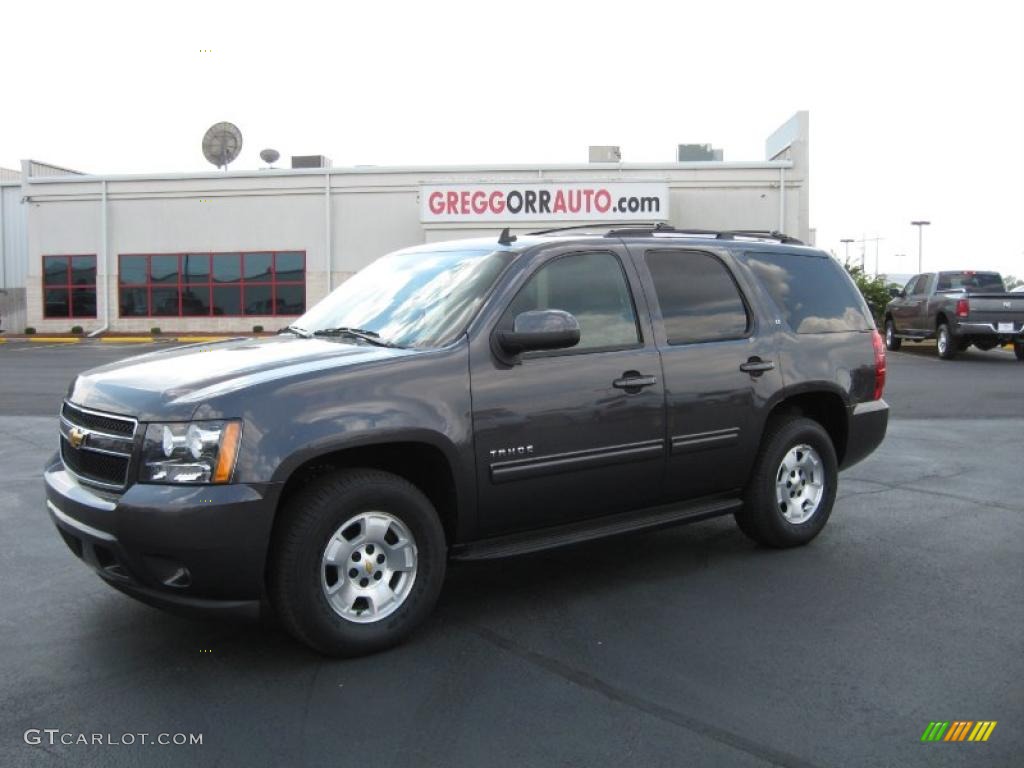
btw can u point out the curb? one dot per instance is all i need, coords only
(52, 340)
(193, 339)
(127, 339)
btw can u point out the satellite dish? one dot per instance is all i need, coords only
(222, 143)
(270, 156)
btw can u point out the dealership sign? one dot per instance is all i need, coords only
(545, 201)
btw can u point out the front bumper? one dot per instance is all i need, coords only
(186, 547)
(867, 425)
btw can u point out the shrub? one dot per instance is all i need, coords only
(257, 329)
(873, 289)
(29, 330)
(77, 330)
(155, 330)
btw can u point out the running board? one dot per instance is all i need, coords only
(590, 530)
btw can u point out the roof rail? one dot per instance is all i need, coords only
(553, 230)
(717, 234)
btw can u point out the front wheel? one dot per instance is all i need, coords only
(358, 562)
(944, 344)
(892, 341)
(791, 492)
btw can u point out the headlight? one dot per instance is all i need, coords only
(194, 452)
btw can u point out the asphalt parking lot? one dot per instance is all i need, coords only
(683, 647)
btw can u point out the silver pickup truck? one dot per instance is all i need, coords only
(956, 309)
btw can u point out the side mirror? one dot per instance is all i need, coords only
(539, 330)
(897, 293)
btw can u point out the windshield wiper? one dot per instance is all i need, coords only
(297, 331)
(370, 337)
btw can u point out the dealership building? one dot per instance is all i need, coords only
(227, 251)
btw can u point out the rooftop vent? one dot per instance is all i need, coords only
(310, 161)
(605, 154)
(698, 152)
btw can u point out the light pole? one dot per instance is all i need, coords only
(846, 241)
(920, 228)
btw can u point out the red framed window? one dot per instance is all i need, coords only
(243, 284)
(69, 286)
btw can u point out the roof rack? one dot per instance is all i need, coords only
(717, 234)
(553, 230)
(640, 229)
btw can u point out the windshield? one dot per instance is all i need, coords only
(411, 298)
(989, 282)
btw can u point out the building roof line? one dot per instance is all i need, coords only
(400, 169)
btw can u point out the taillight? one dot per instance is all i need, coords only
(962, 308)
(876, 339)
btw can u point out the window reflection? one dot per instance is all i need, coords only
(417, 299)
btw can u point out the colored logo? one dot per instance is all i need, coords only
(959, 730)
(77, 437)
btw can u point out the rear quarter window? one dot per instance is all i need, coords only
(813, 293)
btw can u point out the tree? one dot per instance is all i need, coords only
(873, 289)
(1012, 282)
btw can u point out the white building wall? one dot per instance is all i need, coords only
(371, 211)
(13, 255)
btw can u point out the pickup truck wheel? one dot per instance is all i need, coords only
(892, 341)
(791, 492)
(1018, 350)
(358, 562)
(944, 344)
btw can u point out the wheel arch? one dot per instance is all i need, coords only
(823, 403)
(421, 459)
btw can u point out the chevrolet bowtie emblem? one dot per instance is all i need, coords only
(77, 437)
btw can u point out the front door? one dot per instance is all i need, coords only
(576, 433)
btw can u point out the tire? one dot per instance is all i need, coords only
(1018, 350)
(763, 516)
(945, 344)
(369, 522)
(892, 341)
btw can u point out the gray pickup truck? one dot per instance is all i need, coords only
(956, 309)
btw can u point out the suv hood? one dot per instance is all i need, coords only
(171, 384)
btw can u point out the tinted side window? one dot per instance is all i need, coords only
(924, 284)
(593, 288)
(911, 286)
(698, 298)
(814, 293)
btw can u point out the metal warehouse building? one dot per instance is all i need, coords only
(226, 251)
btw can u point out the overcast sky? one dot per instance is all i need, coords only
(917, 109)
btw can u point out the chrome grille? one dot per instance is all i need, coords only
(97, 447)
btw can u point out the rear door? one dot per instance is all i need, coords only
(719, 365)
(570, 434)
(925, 309)
(904, 310)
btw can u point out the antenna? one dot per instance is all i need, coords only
(270, 156)
(222, 143)
(505, 238)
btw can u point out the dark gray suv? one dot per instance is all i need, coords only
(472, 400)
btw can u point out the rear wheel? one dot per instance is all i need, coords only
(892, 341)
(791, 492)
(944, 343)
(358, 562)
(1018, 350)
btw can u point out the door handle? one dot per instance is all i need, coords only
(755, 366)
(632, 381)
